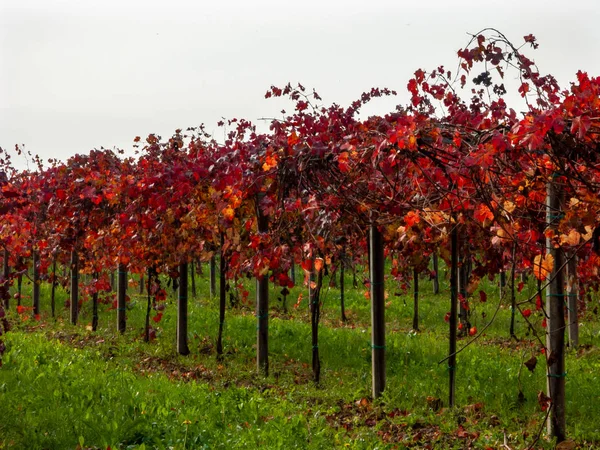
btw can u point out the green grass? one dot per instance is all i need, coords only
(63, 386)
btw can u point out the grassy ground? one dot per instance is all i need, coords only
(63, 386)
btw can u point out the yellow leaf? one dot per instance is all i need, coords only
(589, 233)
(412, 142)
(228, 213)
(509, 206)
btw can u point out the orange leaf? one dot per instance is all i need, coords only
(318, 264)
(362, 402)
(270, 162)
(542, 267)
(573, 238)
(299, 301)
(292, 139)
(483, 214)
(228, 213)
(343, 162)
(412, 218)
(307, 265)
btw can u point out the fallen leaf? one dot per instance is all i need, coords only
(566, 445)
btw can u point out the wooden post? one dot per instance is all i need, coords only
(513, 297)
(573, 292)
(453, 317)
(19, 280)
(502, 282)
(284, 294)
(462, 287)
(376, 263)
(213, 276)
(193, 278)
(262, 304)
(182, 311)
(6, 274)
(314, 290)
(415, 325)
(148, 304)
(555, 329)
(513, 305)
(74, 286)
(333, 279)
(53, 289)
(222, 296)
(36, 282)
(436, 278)
(95, 306)
(342, 289)
(122, 298)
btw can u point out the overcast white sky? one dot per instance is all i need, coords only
(80, 74)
